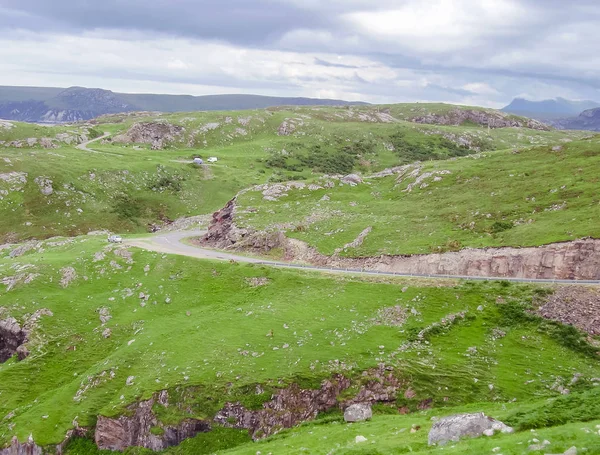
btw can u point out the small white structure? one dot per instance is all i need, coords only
(115, 239)
(198, 161)
(212, 159)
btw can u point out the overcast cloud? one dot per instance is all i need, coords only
(483, 52)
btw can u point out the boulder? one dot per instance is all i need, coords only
(12, 336)
(351, 179)
(358, 412)
(454, 427)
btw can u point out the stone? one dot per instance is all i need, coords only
(351, 179)
(360, 439)
(68, 275)
(358, 412)
(12, 336)
(134, 430)
(454, 427)
(45, 185)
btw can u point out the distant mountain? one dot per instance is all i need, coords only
(549, 109)
(57, 105)
(587, 120)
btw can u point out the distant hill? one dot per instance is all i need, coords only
(587, 120)
(59, 105)
(549, 109)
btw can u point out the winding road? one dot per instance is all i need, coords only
(172, 243)
(84, 145)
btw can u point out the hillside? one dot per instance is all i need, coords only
(142, 174)
(537, 196)
(109, 326)
(140, 349)
(587, 120)
(56, 105)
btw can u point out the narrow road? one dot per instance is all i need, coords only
(172, 243)
(84, 145)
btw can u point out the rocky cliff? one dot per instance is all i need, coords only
(491, 119)
(575, 260)
(141, 428)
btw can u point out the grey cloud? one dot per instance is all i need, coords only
(237, 21)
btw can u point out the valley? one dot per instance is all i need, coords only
(205, 331)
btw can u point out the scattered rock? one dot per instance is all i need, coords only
(45, 185)
(257, 281)
(68, 275)
(352, 179)
(454, 427)
(360, 439)
(574, 305)
(358, 412)
(24, 248)
(104, 314)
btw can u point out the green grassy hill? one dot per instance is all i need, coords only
(128, 186)
(537, 196)
(218, 330)
(110, 326)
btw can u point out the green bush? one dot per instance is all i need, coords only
(576, 407)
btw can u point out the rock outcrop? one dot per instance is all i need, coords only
(288, 408)
(358, 412)
(575, 260)
(457, 426)
(491, 119)
(26, 448)
(141, 428)
(12, 337)
(158, 134)
(575, 305)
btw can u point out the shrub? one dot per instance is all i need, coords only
(500, 226)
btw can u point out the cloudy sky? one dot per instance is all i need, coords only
(482, 52)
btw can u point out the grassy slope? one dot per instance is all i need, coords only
(458, 211)
(214, 310)
(242, 144)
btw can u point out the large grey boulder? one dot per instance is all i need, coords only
(352, 179)
(454, 427)
(358, 412)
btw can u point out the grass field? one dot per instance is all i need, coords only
(126, 187)
(211, 332)
(534, 197)
(320, 325)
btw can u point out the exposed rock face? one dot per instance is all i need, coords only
(289, 407)
(159, 134)
(492, 119)
(31, 448)
(135, 430)
(358, 412)
(576, 260)
(27, 448)
(294, 405)
(12, 336)
(575, 305)
(454, 427)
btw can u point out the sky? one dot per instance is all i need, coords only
(477, 52)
